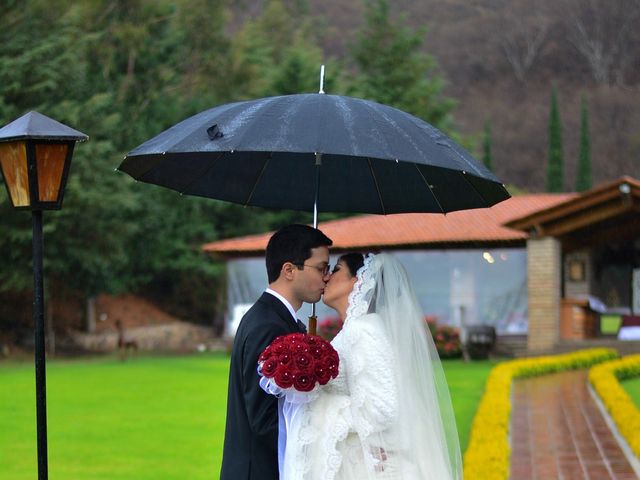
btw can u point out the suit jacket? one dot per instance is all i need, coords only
(251, 436)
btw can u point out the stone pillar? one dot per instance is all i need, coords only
(544, 256)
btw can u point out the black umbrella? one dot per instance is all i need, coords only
(307, 151)
(369, 158)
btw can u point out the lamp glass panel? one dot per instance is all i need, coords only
(50, 159)
(13, 160)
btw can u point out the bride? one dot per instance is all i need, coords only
(388, 413)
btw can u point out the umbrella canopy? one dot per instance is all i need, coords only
(279, 152)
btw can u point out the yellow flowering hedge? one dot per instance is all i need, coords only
(605, 380)
(487, 456)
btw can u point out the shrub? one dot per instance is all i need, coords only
(626, 416)
(447, 339)
(329, 327)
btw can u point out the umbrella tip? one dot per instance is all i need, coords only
(321, 79)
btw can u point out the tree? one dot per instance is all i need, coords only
(603, 33)
(275, 54)
(523, 37)
(555, 168)
(203, 54)
(112, 70)
(486, 146)
(583, 177)
(392, 68)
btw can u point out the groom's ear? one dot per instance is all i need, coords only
(287, 270)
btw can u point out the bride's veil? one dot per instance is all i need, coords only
(429, 445)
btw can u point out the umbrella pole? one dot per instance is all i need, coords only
(313, 319)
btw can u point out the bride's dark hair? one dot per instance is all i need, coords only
(354, 261)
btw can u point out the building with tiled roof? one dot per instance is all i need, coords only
(535, 265)
(415, 230)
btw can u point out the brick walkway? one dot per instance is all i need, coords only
(558, 432)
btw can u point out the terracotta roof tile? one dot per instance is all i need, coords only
(413, 229)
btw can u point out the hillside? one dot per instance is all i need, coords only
(500, 60)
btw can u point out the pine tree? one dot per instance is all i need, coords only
(392, 68)
(275, 53)
(555, 175)
(583, 177)
(486, 146)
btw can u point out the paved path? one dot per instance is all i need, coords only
(558, 432)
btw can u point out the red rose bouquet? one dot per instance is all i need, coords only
(299, 361)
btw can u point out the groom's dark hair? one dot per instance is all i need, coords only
(292, 243)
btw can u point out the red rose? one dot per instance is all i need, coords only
(281, 348)
(299, 347)
(283, 378)
(304, 362)
(268, 352)
(331, 366)
(304, 382)
(333, 358)
(316, 352)
(269, 367)
(284, 359)
(322, 373)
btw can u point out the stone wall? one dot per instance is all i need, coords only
(175, 336)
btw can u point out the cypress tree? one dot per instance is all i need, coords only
(486, 146)
(555, 174)
(583, 177)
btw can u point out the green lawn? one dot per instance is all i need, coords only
(466, 384)
(632, 387)
(147, 418)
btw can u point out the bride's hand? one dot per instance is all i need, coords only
(380, 455)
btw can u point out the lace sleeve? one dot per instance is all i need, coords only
(371, 378)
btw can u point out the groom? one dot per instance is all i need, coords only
(297, 259)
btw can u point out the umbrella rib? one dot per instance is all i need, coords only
(184, 189)
(375, 181)
(464, 175)
(255, 185)
(429, 188)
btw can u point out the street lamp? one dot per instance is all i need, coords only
(35, 154)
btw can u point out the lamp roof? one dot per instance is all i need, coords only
(34, 125)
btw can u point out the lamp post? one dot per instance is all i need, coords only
(35, 154)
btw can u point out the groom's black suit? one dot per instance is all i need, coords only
(251, 437)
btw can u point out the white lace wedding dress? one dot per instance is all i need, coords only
(370, 422)
(361, 402)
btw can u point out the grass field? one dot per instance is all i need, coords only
(632, 387)
(147, 418)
